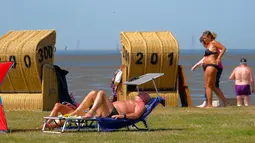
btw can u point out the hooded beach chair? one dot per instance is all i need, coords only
(110, 124)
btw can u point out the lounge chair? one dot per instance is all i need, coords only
(110, 124)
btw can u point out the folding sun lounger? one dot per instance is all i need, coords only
(110, 124)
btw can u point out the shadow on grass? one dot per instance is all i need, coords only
(91, 130)
(150, 130)
(23, 130)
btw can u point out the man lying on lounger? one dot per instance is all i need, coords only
(103, 107)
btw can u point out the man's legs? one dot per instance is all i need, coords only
(60, 108)
(246, 100)
(102, 106)
(85, 104)
(239, 100)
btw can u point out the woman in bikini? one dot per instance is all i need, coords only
(219, 71)
(212, 59)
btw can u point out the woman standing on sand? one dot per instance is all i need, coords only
(211, 62)
(219, 71)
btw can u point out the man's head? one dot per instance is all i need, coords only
(143, 96)
(243, 61)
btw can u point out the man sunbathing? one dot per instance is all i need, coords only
(103, 107)
(98, 104)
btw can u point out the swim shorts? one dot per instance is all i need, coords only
(242, 90)
(114, 112)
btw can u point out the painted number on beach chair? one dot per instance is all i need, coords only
(27, 60)
(45, 53)
(13, 59)
(140, 58)
(170, 57)
(154, 58)
(125, 55)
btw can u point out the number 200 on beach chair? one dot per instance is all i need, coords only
(110, 124)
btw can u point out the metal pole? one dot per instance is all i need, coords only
(155, 85)
(137, 87)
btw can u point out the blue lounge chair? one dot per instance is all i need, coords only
(110, 124)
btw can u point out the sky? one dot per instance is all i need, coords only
(97, 24)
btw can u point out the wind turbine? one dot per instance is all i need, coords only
(78, 44)
(65, 48)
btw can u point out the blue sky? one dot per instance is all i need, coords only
(97, 24)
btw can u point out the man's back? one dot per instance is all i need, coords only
(242, 75)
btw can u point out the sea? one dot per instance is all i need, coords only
(94, 69)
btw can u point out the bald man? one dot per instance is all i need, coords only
(103, 107)
(243, 79)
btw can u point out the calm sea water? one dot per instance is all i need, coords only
(93, 70)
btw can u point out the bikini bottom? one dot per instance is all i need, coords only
(213, 65)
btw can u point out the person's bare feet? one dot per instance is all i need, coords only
(88, 115)
(226, 103)
(49, 126)
(208, 107)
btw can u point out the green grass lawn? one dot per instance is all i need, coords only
(230, 124)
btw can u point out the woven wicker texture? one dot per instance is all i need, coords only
(32, 80)
(150, 52)
(30, 49)
(29, 102)
(35, 101)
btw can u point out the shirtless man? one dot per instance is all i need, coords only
(103, 107)
(243, 78)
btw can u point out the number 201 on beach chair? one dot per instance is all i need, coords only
(110, 124)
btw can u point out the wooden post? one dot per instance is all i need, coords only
(183, 88)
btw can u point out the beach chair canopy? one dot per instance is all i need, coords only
(144, 79)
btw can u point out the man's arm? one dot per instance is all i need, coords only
(139, 109)
(252, 81)
(232, 76)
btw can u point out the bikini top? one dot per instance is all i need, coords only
(208, 53)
